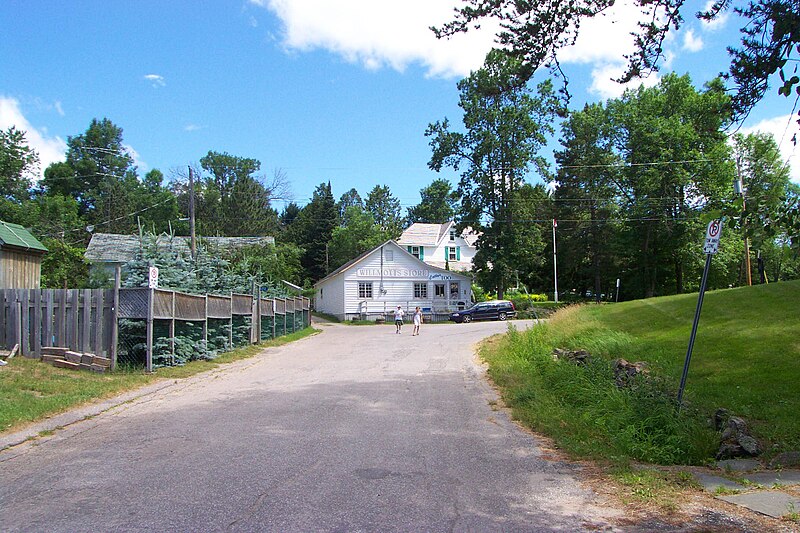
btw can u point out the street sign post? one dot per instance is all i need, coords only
(710, 247)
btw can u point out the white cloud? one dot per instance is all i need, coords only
(692, 42)
(137, 159)
(777, 127)
(59, 109)
(192, 127)
(382, 34)
(156, 80)
(605, 87)
(50, 149)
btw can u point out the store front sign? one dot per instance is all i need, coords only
(440, 277)
(392, 273)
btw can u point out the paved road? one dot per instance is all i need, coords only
(354, 429)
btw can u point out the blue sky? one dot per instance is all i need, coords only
(322, 89)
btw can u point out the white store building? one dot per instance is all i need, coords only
(376, 282)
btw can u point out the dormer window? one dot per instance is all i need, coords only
(452, 234)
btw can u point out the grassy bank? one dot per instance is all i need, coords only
(31, 390)
(746, 359)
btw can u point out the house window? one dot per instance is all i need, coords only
(438, 290)
(452, 253)
(452, 234)
(420, 290)
(388, 255)
(415, 251)
(364, 289)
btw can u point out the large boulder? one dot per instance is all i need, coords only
(735, 439)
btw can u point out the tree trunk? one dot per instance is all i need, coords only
(678, 276)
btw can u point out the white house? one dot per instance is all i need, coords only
(440, 245)
(376, 282)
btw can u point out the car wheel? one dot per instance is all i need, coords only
(467, 318)
(502, 316)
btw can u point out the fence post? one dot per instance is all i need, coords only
(74, 331)
(24, 299)
(48, 317)
(37, 323)
(205, 324)
(230, 330)
(274, 318)
(148, 361)
(115, 317)
(255, 316)
(87, 320)
(98, 323)
(172, 331)
(18, 325)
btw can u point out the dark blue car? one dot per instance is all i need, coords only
(493, 310)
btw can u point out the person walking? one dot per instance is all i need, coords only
(417, 320)
(398, 319)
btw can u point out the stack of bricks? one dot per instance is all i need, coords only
(66, 358)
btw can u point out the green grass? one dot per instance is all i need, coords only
(325, 316)
(746, 359)
(650, 486)
(32, 390)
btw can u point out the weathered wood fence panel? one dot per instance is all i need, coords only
(86, 320)
(80, 319)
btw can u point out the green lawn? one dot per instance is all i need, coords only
(746, 359)
(32, 390)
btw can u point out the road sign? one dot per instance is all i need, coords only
(713, 232)
(153, 283)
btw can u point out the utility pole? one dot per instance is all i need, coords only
(738, 187)
(555, 268)
(193, 241)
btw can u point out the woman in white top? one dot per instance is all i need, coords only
(417, 320)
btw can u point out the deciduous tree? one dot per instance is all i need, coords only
(438, 203)
(505, 126)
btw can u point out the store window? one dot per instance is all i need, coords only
(365, 289)
(420, 290)
(454, 290)
(388, 255)
(438, 290)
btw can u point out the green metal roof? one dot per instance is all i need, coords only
(18, 237)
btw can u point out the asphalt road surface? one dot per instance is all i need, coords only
(354, 429)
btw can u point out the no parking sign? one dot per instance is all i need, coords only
(713, 232)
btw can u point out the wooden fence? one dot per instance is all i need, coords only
(86, 320)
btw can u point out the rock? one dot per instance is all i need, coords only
(785, 460)
(579, 357)
(625, 371)
(736, 440)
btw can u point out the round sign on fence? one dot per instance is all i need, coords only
(153, 282)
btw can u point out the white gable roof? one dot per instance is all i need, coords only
(398, 248)
(420, 234)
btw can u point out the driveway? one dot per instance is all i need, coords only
(354, 429)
